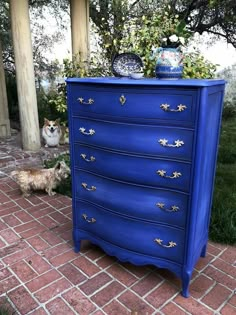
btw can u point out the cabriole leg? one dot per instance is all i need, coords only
(185, 283)
(203, 252)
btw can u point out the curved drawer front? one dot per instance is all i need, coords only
(134, 235)
(124, 102)
(151, 140)
(139, 202)
(136, 169)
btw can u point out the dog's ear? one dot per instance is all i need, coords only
(58, 165)
(58, 120)
(46, 121)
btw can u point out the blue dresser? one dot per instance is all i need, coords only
(143, 159)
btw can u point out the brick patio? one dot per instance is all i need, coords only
(40, 274)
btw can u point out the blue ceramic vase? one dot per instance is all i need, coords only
(169, 64)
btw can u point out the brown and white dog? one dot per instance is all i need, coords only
(51, 132)
(41, 179)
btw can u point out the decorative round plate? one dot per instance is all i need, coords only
(126, 63)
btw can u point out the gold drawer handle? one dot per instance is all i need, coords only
(166, 108)
(81, 100)
(170, 244)
(85, 186)
(85, 217)
(162, 173)
(83, 131)
(122, 99)
(164, 143)
(162, 206)
(91, 159)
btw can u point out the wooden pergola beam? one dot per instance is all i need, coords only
(20, 24)
(79, 13)
(5, 130)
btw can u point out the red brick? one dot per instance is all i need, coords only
(59, 307)
(3, 226)
(203, 262)
(66, 211)
(7, 205)
(72, 274)
(134, 303)
(63, 258)
(23, 216)
(39, 264)
(55, 203)
(23, 271)
(213, 250)
(27, 226)
(228, 310)
(38, 243)
(233, 300)
(225, 267)
(122, 275)
(63, 227)
(48, 222)
(66, 236)
(106, 261)
(41, 210)
(6, 305)
(171, 308)
(34, 200)
(9, 236)
(107, 294)
(86, 266)
(95, 283)
(11, 220)
(65, 200)
(217, 296)
(11, 210)
(57, 216)
(51, 238)
(3, 198)
(39, 311)
(138, 271)
(2, 244)
(8, 284)
(22, 300)
(79, 302)
(56, 250)
(220, 277)
(115, 308)
(161, 294)
(5, 273)
(192, 306)
(170, 276)
(229, 255)
(52, 290)
(200, 285)
(23, 203)
(43, 280)
(146, 284)
(18, 255)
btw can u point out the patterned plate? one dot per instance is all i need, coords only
(124, 64)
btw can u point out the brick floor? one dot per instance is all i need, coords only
(40, 273)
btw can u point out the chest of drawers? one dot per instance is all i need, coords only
(143, 158)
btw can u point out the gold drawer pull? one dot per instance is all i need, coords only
(170, 244)
(122, 99)
(166, 108)
(164, 143)
(83, 131)
(85, 217)
(162, 206)
(162, 173)
(81, 100)
(91, 159)
(85, 186)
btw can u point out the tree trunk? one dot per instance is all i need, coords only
(5, 130)
(25, 79)
(79, 12)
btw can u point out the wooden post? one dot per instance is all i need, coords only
(5, 130)
(79, 13)
(20, 24)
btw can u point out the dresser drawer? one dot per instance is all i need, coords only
(134, 169)
(136, 103)
(135, 201)
(133, 138)
(138, 236)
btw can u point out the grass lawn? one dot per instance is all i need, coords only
(223, 218)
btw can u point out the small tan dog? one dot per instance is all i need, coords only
(41, 179)
(51, 132)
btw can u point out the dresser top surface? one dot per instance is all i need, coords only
(148, 82)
